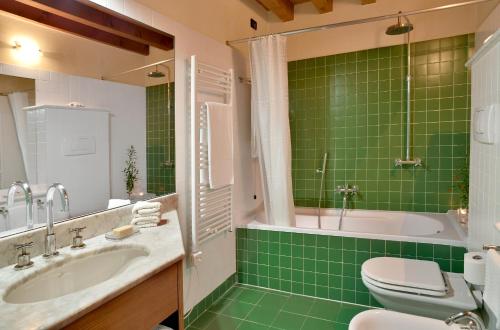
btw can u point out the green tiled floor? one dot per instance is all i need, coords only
(251, 308)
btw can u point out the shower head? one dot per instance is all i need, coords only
(400, 27)
(156, 73)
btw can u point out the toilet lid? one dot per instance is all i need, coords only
(405, 273)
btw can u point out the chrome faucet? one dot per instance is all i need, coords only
(28, 198)
(474, 321)
(50, 239)
(346, 192)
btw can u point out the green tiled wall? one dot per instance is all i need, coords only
(325, 266)
(160, 177)
(203, 305)
(352, 106)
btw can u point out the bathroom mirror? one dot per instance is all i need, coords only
(97, 118)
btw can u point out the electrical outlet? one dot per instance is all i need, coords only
(253, 24)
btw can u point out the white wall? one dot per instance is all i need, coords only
(127, 104)
(485, 158)
(488, 26)
(11, 161)
(219, 254)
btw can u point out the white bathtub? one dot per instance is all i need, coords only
(436, 228)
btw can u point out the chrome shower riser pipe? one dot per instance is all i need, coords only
(408, 95)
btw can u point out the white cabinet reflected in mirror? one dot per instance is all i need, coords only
(94, 117)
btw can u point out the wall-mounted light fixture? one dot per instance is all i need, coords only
(26, 51)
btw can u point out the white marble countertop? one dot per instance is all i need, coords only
(164, 244)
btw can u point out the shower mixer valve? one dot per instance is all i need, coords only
(347, 190)
(415, 162)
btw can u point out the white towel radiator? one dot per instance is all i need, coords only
(211, 209)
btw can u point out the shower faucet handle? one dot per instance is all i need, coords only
(346, 189)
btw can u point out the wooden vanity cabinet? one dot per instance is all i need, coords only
(142, 307)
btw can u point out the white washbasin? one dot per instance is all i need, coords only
(379, 319)
(73, 274)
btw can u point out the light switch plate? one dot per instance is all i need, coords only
(486, 124)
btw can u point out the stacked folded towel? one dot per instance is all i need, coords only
(146, 213)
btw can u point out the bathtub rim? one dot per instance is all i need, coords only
(450, 218)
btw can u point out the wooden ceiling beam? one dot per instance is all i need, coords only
(89, 14)
(67, 25)
(282, 8)
(323, 6)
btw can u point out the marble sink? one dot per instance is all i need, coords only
(57, 291)
(73, 274)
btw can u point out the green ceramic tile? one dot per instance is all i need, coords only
(442, 251)
(409, 249)
(288, 321)
(223, 322)
(263, 315)
(425, 250)
(317, 324)
(354, 112)
(337, 277)
(441, 87)
(237, 309)
(160, 139)
(298, 305)
(250, 296)
(247, 325)
(204, 320)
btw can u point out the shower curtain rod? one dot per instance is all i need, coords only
(359, 21)
(137, 69)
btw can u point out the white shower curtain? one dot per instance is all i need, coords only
(18, 101)
(271, 127)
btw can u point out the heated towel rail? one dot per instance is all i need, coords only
(211, 209)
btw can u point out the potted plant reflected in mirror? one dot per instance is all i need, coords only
(131, 171)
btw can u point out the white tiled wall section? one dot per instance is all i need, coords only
(485, 158)
(126, 103)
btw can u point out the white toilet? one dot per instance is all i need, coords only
(416, 287)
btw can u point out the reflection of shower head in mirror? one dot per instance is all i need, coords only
(156, 73)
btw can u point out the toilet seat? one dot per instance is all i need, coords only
(405, 289)
(405, 275)
(416, 287)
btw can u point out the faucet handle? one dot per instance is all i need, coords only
(77, 230)
(23, 246)
(24, 259)
(78, 239)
